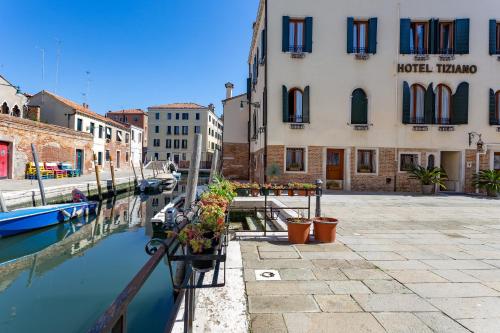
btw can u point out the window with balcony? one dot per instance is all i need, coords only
(443, 104)
(362, 36)
(296, 105)
(419, 38)
(297, 34)
(417, 104)
(295, 159)
(366, 161)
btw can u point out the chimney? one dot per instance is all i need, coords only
(211, 107)
(229, 90)
(85, 105)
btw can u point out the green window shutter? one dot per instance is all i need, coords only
(433, 30)
(372, 35)
(493, 37)
(493, 108)
(462, 36)
(460, 105)
(286, 34)
(404, 36)
(285, 104)
(350, 29)
(359, 107)
(249, 88)
(406, 103)
(264, 44)
(309, 34)
(305, 105)
(430, 105)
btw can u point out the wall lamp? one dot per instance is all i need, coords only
(480, 143)
(255, 105)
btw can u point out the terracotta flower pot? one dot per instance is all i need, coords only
(255, 192)
(311, 192)
(301, 192)
(277, 192)
(298, 233)
(325, 229)
(290, 193)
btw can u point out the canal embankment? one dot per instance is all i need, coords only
(22, 192)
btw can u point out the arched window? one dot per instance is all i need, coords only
(295, 105)
(431, 162)
(417, 104)
(443, 104)
(5, 108)
(359, 107)
(16, 112)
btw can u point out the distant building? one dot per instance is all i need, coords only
(235, 147)
(19, 128)
(136, 117)
(111, 139)
(172, 128)
(136, 140)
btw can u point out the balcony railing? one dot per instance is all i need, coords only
(298, 119)
(443, 121)
(296, 48)
(446, 51)
(360, 50)
(417, 120)
(419, 51)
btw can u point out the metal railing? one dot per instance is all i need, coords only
(419, 51)
(443, 121)
(296, 48)
(360, 50)
(417, 120)
(298, 119)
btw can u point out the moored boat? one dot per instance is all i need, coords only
(27, 219)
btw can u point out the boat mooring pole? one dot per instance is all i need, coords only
(135, 175)
(213, 169)
(3, 205)
(37, 167)
(142, 171)
(97, 177)
(112, 167)
(194, 169)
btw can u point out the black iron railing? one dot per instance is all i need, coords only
(417, 120)
(298, 119)
(419, 51)
(446, 51)
(360, 50)
(443, 121)
(296, 48)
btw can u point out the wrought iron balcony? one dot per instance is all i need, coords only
(297, 119)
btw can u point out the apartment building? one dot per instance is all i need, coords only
(358, 92)
(172, 128)
(111, 139)
(135, 117)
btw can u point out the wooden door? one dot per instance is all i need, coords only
(4, 159)
(335, 164)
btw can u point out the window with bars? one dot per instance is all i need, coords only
(366, 162)
(295, 159)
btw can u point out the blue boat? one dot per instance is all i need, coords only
(28, 219)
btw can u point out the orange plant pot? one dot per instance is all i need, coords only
(255, 192)
(298, 233)
(325, 229)
(290, 193)
(302, 193)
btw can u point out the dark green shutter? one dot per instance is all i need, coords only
(462, 36)
(460, 105)
(359, 107)
(493, 108)
(286, 34)
(285, 104)
(249, 88)
(433, 29)
(305, 105)
(406, 103)
(309, 34)
(404, 36)
(493, 37)
(350, 29)
(372, 35)
(430, 105)
(437, 37)
(263, 45)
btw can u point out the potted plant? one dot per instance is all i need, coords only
(298, 230)
(199, 242)
(278, 189)
(488, 180)
(310, 189)
(325, 229)
(300, 189)
(254, 189)
(241, 190)
(429, 178)
(291, 188)
(273, 171)
(266, 188)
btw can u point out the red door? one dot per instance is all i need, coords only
(4, 159)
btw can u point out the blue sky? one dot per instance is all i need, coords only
(138, 52)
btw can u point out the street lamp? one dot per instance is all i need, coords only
(480, 143)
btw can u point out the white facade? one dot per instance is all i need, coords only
(331, 75)
(136, 139)
(12, 101)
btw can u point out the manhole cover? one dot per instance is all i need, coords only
(267, 275)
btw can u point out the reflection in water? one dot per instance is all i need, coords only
(73, 271)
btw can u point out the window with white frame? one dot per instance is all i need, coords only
(408, 161)
(295, 159)
(367, 161)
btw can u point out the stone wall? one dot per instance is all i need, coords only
(235, 161)
(53, 144)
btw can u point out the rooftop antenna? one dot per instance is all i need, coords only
(58, 60)
(42, 51)
(87, 72)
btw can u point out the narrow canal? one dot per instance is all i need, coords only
(61, 279)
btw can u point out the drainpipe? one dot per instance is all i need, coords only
(396, 166)
(264, 107)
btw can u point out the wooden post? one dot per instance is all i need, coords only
(97, 177)
(142, 171)
(135, 175)
(194, 169)
(213, 169)
(112, 167)
(40, 183)
(3, 205)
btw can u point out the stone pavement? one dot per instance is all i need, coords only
(400, 264)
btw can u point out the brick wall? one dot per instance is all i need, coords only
(276, 155)
(379, 182)
(53, 143)
(235, 163)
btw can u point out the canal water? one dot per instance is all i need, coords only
(61, 279)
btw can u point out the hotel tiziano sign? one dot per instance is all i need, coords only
(440, 68)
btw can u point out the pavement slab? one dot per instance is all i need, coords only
(386, 287)
(348, 287)
(400, 264)
(267, 323)
(457, 264)
(454, 275)
(365, 274)
(287, 288)
(332, 323)
(281, 304)
(468, 308)
(415, 276)
(299, 274)
(329, 274)
(278, 255)
(337, 303)
(392, 303)
(399, 322)
(465, 289)
(381, 256)
(441, 323)
(485, 325)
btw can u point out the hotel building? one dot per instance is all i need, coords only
(358, 92)
(172, 128)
